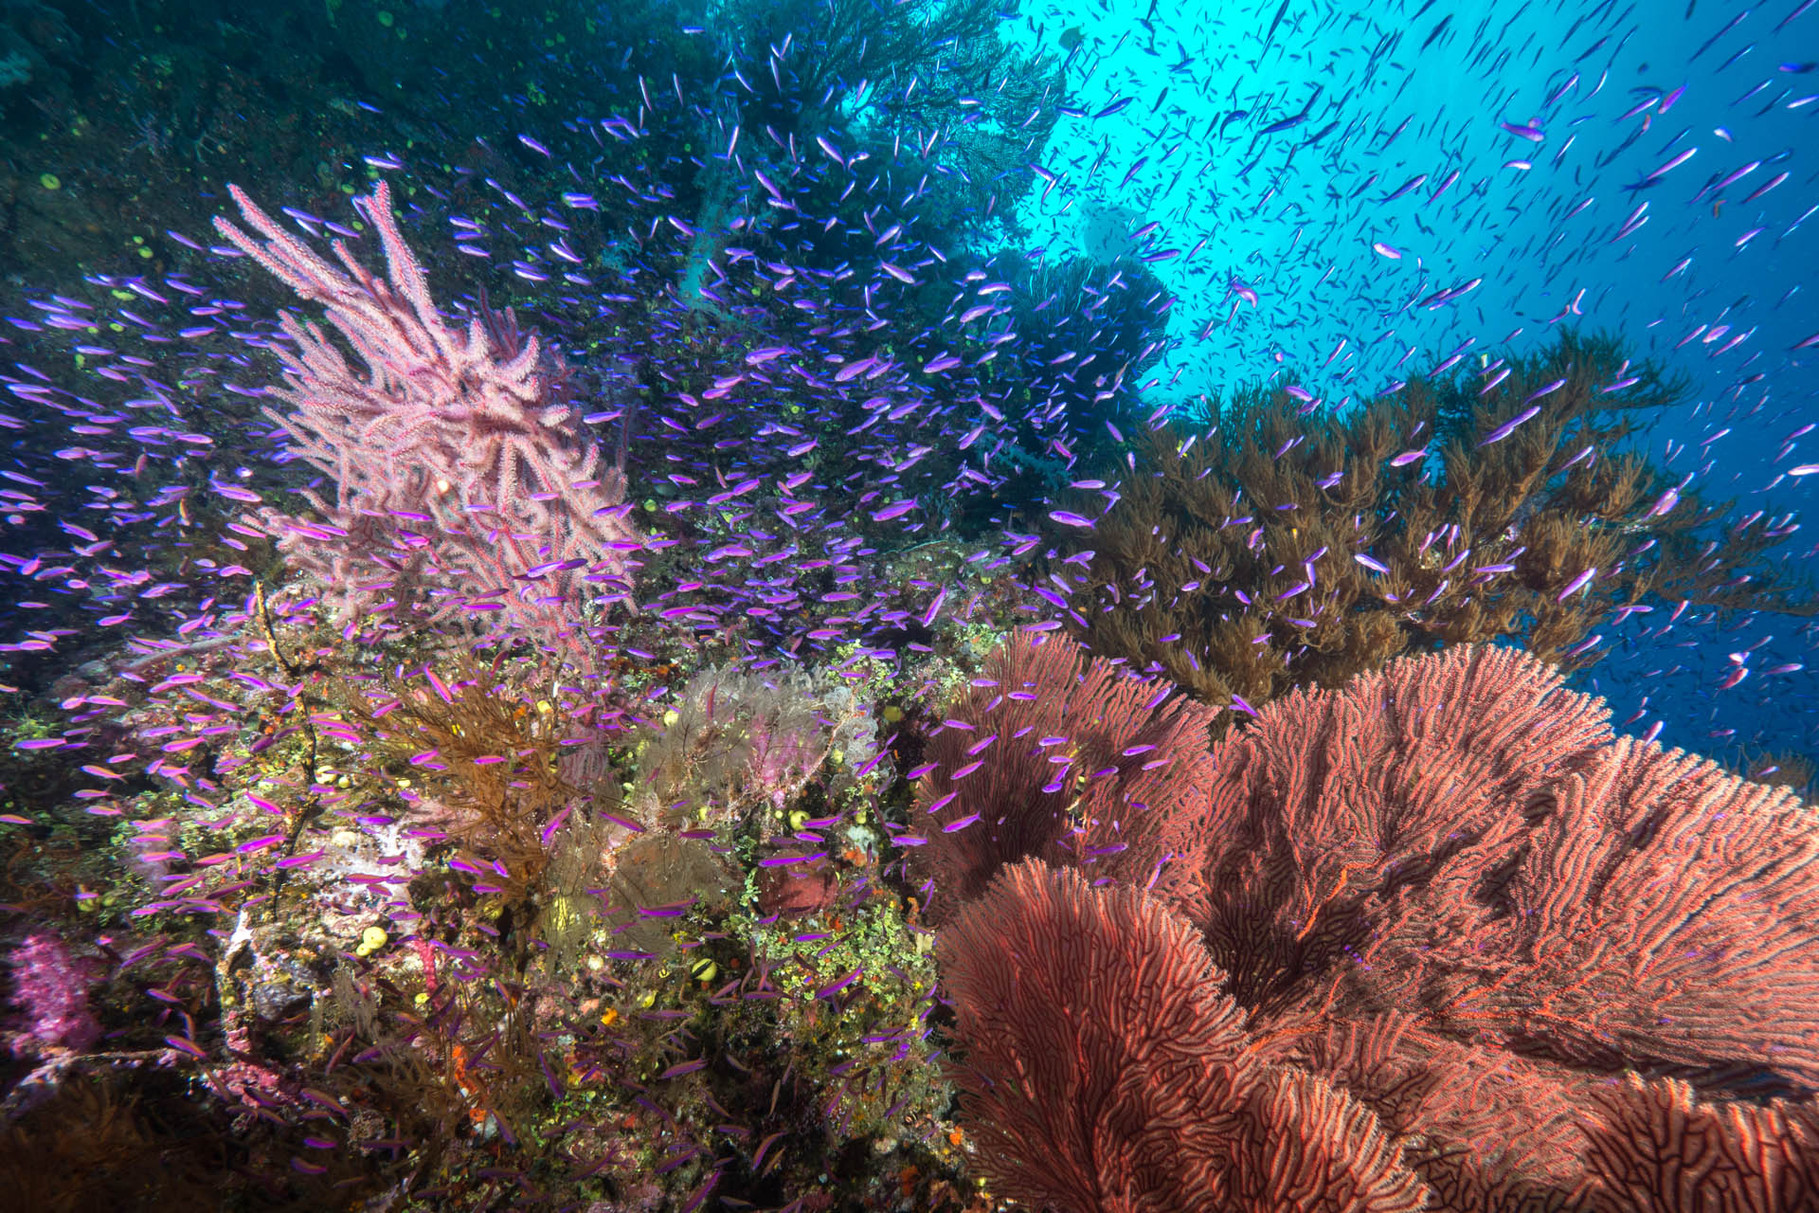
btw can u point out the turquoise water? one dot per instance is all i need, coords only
(1398, 94)
(1326, 198)
(1574, 217)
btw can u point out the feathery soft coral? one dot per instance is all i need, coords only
(463, 482)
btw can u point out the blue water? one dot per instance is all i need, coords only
(1535, 219)
(1336, 196)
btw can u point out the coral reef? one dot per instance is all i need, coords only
(770, 715)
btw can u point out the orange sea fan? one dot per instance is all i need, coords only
(1455, 942)
(1459, 836)
(1106, 1072)
(1075, 761)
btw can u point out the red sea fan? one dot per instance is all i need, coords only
(1458, 837)
(1105, 1071)
(1654, 1148)
(462, 477)
(1079, 766)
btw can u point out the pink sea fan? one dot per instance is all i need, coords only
(1447, 894)
(462, 479)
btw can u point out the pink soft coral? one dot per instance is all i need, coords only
(51, 988)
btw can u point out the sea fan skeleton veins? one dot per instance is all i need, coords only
(461, 476)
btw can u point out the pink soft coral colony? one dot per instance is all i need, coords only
(462, 479)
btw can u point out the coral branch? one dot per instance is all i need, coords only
(462, 481)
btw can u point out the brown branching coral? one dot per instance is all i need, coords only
(1074, 761)
(483, 762)
(1280, 549)
(88, 1148)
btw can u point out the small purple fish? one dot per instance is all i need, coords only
(1672, 164)
(1509, 427)
(1576, 584)
(1663, 504)
(1549, 390)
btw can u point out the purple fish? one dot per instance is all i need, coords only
(1663, 504)
(1576, 584)
(1509, 427)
